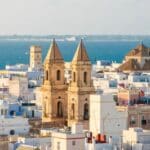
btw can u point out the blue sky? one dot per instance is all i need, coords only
(74, 17)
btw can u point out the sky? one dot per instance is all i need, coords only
(43, 17)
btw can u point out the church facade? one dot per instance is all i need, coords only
(63, 101)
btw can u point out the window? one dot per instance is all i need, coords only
(12, 112)
(73, 143)
(132, 121)
(33, 114)
(12, 132)
(59, 109)
(143, 121)
(45, 114)
(74, 77)
(46, 75)
(73, 111)
(86, 112)
(1, 111)
(85, 77)
(58, 74)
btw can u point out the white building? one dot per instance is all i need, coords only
(17, 67)
(68, 140)
(13, 125)
(141, 81)
(43, 143)
(18, 86)
(139, 77)
(105, 85)
(104, 117)
(38, 96)
(136, 139)
(105, 65)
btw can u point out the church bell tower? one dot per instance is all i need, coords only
(54, 87)
(80, 87)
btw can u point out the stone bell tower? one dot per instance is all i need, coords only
(35, 58)
(54, 87)
(80, 87)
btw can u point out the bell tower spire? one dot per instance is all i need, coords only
(81, 54)
(54, 55)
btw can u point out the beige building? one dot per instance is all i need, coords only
(35, 58)
(138, 115)
(63, 101)
(128, 96)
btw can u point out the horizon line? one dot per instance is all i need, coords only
(74, 35)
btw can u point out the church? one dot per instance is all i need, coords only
(138, 59)
(66, 103)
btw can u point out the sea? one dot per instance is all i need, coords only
(15, 49)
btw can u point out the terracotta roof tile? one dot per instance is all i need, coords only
(130, 65)
(141, 51)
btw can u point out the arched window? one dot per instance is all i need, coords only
(74, 77)
(58, 74)
(85, 77)
(46, 75)
(59, 109)
(44, 110)
(86, 112)
(73, 111)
